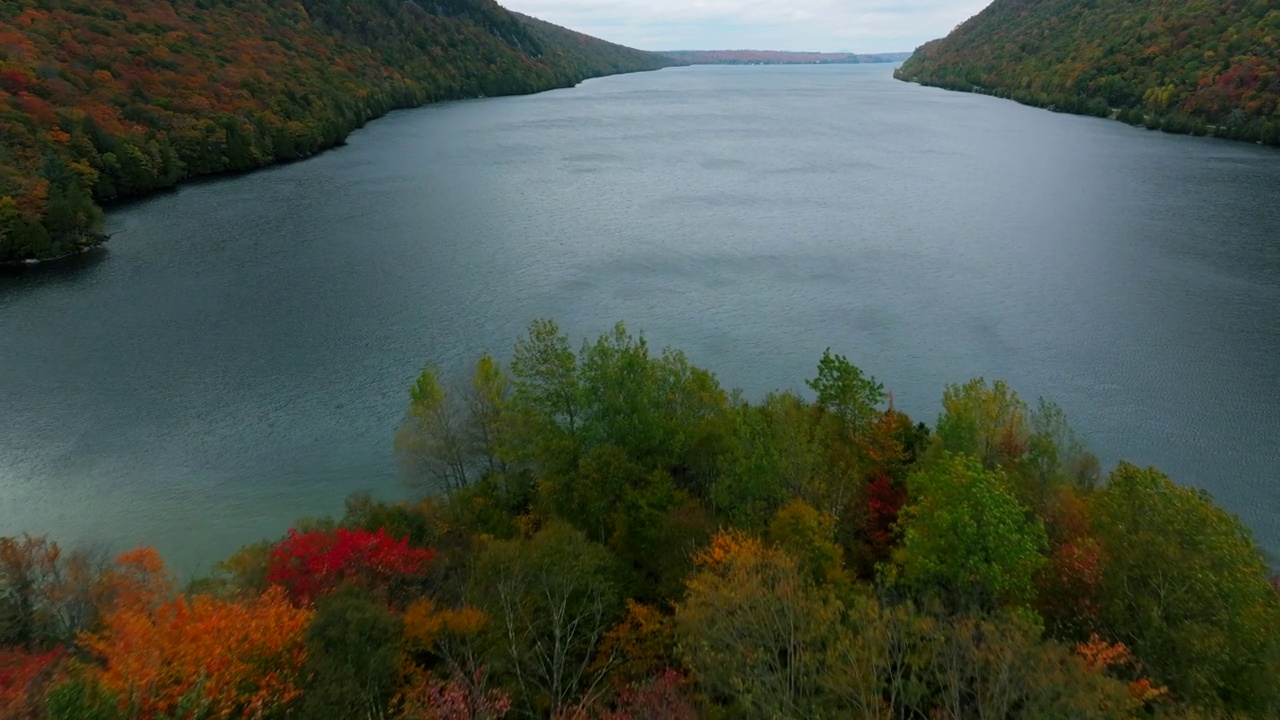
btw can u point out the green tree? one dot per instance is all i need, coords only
(430, 442)
(845, 391)
(1187, 589)
(752, 485)
(1056, 453)
(70, 215)
(589, 496)
(547, 394)
(81, 698)
(964, 534)
(661, 410)
(550, 600)
(488, 423)
(352, 653)
(620, 397)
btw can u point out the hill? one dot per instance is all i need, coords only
(1199, 66)
(109, 99)
(772, 57)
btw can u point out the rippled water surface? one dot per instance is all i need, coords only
(240, 354)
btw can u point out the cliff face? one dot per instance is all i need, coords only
(1179, 65)
(116, 98)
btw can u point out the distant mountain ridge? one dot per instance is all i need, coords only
(1197, 66)
(773, 57)
(106, 99)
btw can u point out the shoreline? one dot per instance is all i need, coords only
(107, 204)
(1150, 122)
(98, 241)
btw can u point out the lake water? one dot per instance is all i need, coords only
(240, 354)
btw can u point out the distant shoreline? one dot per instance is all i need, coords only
(774, 57)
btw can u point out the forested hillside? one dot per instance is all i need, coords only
(105, 99)
(610, 534)
(1198, 66)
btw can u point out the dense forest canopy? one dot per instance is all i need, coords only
(1190, 66)
(106, 99)
(610, 534)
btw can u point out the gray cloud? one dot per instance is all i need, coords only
(808, 25)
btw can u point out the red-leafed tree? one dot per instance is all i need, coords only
(428, 698)
(312, 564)
(884, 499)
(23, 678)
(664, 697)
(1068, 589)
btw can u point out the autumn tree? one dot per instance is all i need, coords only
(241, 574)
(809, 536)
(891, 660)
(47, 594)
(753, 629)
(309, 565)
(429, 698)
(664, 696)
(1069, 586)
(987, 422)
(25, 676)
(450, 642)
(226, 657)
(640, 646)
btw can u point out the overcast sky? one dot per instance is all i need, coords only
(865, 26)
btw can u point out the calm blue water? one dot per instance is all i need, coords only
(240, 354)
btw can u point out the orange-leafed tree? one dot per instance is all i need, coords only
(137, 580)
(235, 659)
(1101, 656)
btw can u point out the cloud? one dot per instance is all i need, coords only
(803, 25)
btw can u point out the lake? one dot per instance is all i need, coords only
(240, 354)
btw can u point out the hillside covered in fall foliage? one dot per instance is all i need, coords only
(109, 99)
(610, 534)
(1197, 66)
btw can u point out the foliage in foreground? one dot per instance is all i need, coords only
(608, 534)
